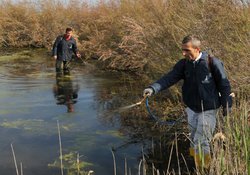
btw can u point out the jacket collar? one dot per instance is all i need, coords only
(203, 56)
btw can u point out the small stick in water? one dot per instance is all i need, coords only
(60, 146)
(14, 157)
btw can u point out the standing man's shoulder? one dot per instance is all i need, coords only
(216, 62)
(73, 40)
(212, 61)
(59, 37)
(218, 69)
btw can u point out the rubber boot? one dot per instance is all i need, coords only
(197, 161)
(191, 152)
(202, 161)
(207, 161)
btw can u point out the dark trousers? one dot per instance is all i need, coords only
(62, 65)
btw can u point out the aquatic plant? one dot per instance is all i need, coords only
(69, 162)
(72, 164)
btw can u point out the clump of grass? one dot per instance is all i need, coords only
(230, 146)
(231, 143)
(69, 162)
(72, 164)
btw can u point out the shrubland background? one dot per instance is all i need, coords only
(135, 35)
(144, 36)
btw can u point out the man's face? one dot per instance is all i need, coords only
(68, 33)
(190, 52)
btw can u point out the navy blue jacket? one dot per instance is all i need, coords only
(205, 86)
(64, 49)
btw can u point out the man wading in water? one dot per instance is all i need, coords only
(63, 49)
(204, 90)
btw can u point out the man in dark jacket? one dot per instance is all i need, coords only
(63, 49)
(205, 89)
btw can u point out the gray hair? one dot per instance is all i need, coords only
(193, 39)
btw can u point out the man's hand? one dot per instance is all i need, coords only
(227, 110)
(148, 92)
(55, 57)
(78, 55)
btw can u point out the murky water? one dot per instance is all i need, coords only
(33, 98)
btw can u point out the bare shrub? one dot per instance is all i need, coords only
(134, 34)
(17, 24)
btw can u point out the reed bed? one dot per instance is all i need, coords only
(132, 35)
(144, 36)
(230, 149)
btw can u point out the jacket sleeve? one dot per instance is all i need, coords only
(172, 77)
(222, 83)
(75, 49)
(55, 45)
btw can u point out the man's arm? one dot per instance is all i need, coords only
(222, 83)
(75, 49)
(172, 77)
(54, 50)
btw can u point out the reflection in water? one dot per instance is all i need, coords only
(65, 92)
(165, 147)
(104, 125)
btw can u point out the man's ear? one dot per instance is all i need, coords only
(198, 49)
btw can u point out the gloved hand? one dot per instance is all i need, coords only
(226, 111)
(55, 57)
(148, 92)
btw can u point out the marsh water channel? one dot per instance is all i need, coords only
(33, 99)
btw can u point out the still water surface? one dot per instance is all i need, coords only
(33, 98)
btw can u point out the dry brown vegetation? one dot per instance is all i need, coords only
(129, 34)
(144, 35)
(135, 35)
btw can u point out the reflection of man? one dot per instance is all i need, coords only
(63, 49)
(64, 91)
